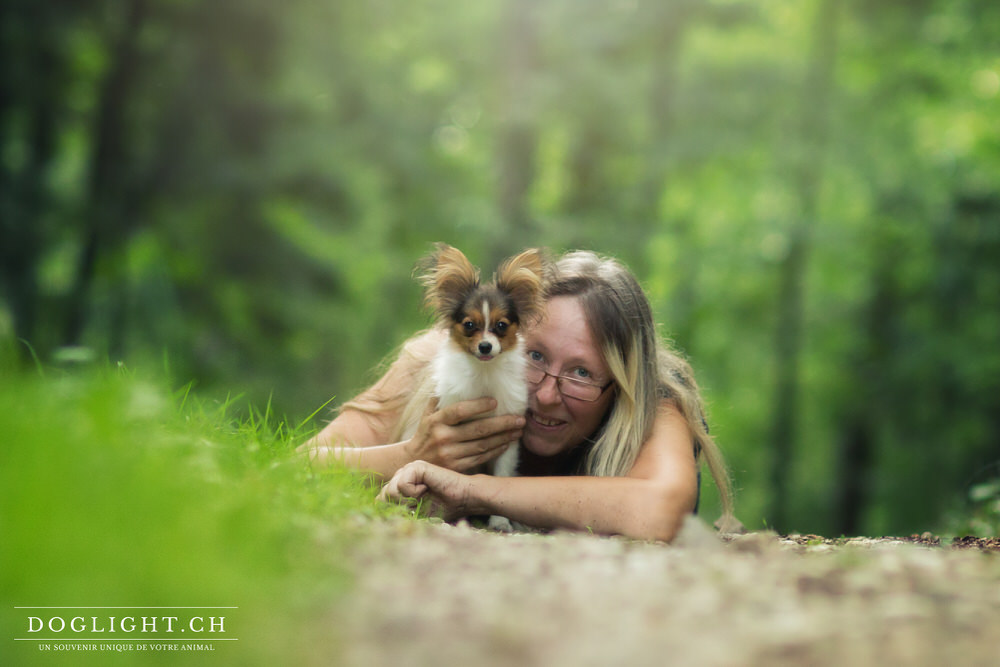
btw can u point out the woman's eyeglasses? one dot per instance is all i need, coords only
(569, 387)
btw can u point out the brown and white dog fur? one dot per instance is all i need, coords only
(483, 355)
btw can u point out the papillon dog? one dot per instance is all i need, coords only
(483, 355)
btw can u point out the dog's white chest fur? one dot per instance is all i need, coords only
(458, 376)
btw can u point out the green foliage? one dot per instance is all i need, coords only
(247, 186)
(979, 512)
(117, 492)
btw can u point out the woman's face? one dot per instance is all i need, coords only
(563, 344)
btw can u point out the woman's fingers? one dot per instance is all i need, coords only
(442, 492)
(468, 455)
(457, 413)
(407, 484)
(419, 482)
(459, 437)
(411, 489)
(488, 427)
(484, 451)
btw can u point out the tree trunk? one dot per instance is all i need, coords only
(868, 407)
(24, 192)
(671, 23)
(518, 136)
(107, 188)
(807, 177)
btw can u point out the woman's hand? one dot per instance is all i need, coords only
(453, 438)
(444, 493)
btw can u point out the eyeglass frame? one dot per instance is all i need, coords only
(559, 380)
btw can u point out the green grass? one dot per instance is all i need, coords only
(115, 491)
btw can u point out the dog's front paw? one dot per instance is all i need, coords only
(501, 524)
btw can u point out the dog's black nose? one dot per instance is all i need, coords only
(485, 347)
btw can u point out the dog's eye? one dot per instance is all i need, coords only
(500, 328)
(469, 326)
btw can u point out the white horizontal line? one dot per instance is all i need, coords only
(111, 640)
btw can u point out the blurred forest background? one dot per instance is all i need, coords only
(809, 190)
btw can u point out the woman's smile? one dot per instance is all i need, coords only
(547, 423)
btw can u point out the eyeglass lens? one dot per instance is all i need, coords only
(571, 387)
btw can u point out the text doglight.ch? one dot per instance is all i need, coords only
(128, 625)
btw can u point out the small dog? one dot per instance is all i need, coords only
(483, 355)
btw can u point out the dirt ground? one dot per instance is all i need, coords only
(435, 594)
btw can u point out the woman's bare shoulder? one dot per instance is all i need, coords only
(412, 359)
(670, 442)
(423, 345)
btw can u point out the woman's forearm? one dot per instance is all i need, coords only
(381, 460)
(628, 506)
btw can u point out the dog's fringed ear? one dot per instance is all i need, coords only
(524, 277)
(447, 277)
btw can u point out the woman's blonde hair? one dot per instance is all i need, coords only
(646, 373)
(645, 370)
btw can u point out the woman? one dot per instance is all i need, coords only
(611, 442)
